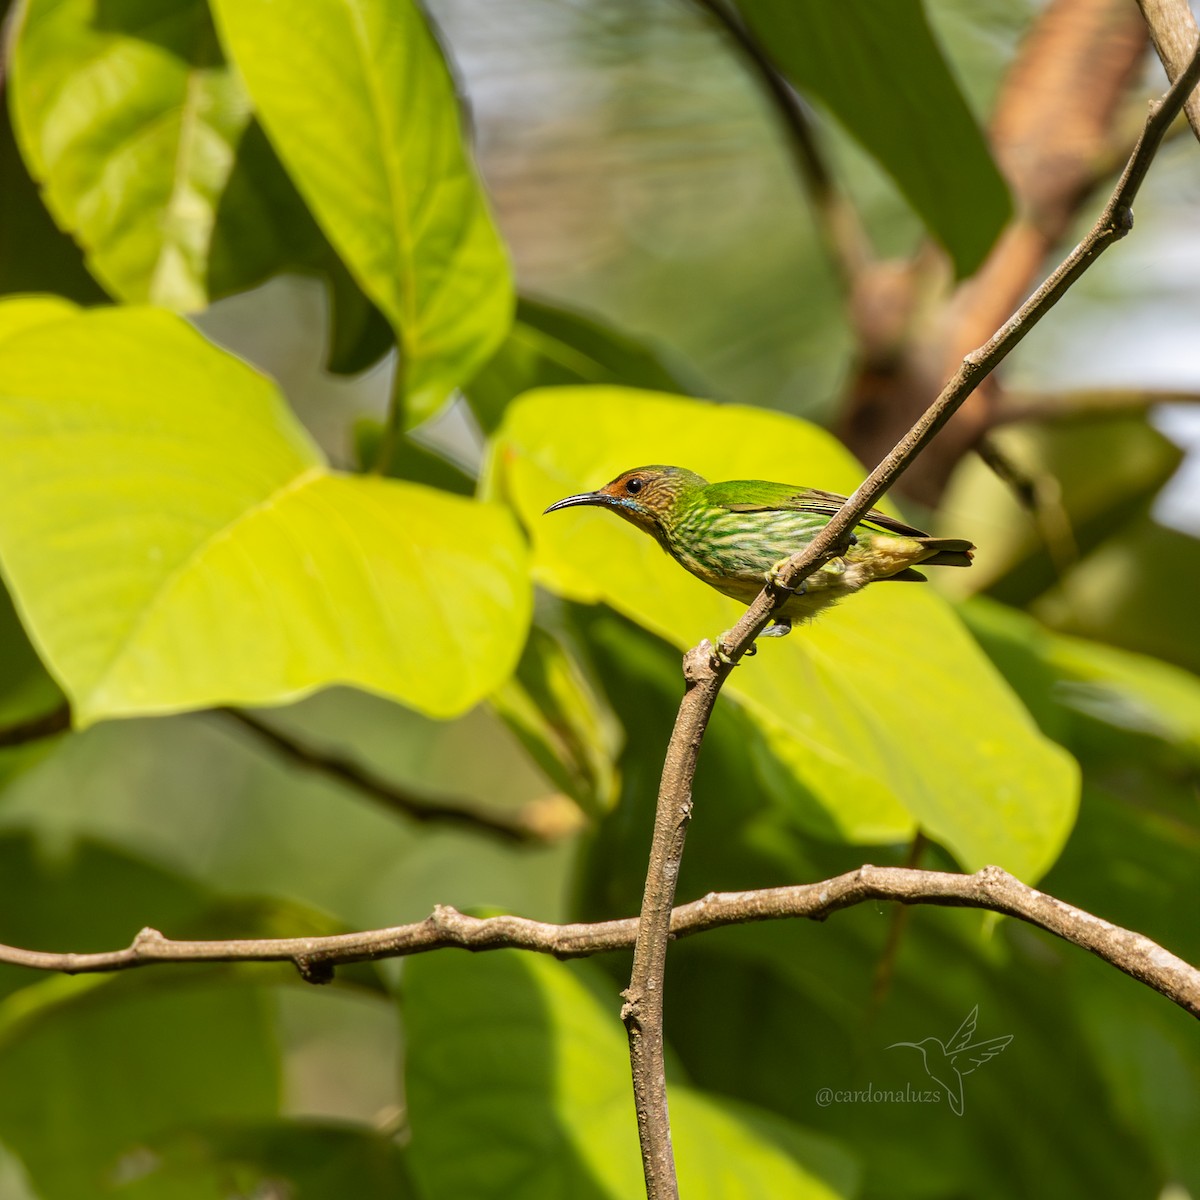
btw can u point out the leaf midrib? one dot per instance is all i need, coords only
(397, 194)
(167, 584)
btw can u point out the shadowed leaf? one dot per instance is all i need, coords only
(880, 71)
(518, 1083)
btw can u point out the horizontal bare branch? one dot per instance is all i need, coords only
(990, 888)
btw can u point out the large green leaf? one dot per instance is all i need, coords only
(26, 689)
(143, 140)
(173, 538)
(886, 695)
(1064, 675)
(356, 97)
(880, 71)
(518, 1084)
(1137, 589)
(777, 1013)
(93, 1067)
(28, 311)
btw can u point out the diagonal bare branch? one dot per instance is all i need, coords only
(706, 667)
(537, 822)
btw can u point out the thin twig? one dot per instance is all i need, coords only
(34, 729)
(845, 242)
(532, 823)
(1040, 495)
(991, 889)
(1084, 404)
(885, 969)
(706, 668)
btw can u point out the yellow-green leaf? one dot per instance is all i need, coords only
(357, 100)
(130, 120)
(173, 538)
(885, 707)
(518, 1085)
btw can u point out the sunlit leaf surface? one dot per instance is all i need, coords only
(173, 538)
(883, 702)
(377, 152)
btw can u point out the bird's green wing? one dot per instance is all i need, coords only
(761, 495)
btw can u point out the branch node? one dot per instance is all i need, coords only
(146, 939)
(992, 877)
(314, 970)
(446, 919)
(701, 663)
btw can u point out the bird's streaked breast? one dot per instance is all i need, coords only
(714, 542)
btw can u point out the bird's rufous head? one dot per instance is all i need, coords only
(644, 496)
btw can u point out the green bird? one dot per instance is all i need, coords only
(736, 535)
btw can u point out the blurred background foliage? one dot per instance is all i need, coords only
(805, 212)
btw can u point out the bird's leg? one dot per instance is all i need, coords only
(720, 654)
(781, 627)
(772, 577)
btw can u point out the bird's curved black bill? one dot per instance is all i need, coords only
(573, 501)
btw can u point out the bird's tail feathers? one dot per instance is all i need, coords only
(947, 552)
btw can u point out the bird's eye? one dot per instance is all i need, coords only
(633, 486)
